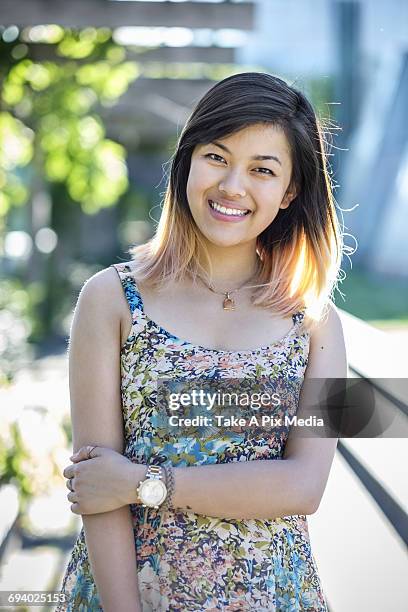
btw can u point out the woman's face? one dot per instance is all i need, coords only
(247, 171)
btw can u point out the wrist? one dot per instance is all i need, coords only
(179, 502)
(137, 472)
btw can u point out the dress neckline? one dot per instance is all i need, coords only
(183, 342)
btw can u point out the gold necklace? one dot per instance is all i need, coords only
(228, 302)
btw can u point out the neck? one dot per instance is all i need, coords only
(230, 266)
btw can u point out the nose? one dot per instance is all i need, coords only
(232, 185)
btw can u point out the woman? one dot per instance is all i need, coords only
(235, 285)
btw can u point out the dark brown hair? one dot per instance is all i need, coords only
(300, 251)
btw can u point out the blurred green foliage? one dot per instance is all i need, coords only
(52, 139)
(49, 117)
(31, 455)
(12, 457)
(17, 306)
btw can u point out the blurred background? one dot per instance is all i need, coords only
(93, 95)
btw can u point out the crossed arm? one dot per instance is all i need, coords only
(240, 490)
(255, 489)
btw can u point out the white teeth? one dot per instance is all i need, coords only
(227, 211)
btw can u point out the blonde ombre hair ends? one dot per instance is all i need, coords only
(300, 251)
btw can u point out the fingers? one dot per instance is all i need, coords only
(84, 453)
(70, 484)
(79, 508)
(80, 455)
(69, 472)
(72, 496)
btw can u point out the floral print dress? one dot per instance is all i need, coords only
(191, 562)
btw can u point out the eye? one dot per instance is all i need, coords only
(218, 158)
(265, 171)
(214, 157)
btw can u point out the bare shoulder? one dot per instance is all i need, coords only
(329, 325)
(327, 346)
(101, 289)
(102, 298)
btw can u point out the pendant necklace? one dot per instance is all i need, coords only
(228, 301)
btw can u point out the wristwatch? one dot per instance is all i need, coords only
(152, 491)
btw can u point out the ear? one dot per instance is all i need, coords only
(289, 196)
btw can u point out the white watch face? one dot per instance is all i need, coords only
(153, 492)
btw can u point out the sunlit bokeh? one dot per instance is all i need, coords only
(46, 240)
(18, 244)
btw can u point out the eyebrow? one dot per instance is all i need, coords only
(254, 157)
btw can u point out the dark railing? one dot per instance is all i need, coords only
(367, 485)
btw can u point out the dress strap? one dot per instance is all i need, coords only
(298, 317)
(129, 285)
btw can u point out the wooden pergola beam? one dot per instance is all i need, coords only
(208, 55)
(183, 92)
(108, 13)
(153, 109)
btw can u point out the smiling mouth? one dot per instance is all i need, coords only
(228, 212)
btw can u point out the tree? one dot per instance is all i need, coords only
(53, 84)
(49, 117)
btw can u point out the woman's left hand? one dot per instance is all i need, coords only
(102, 483)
